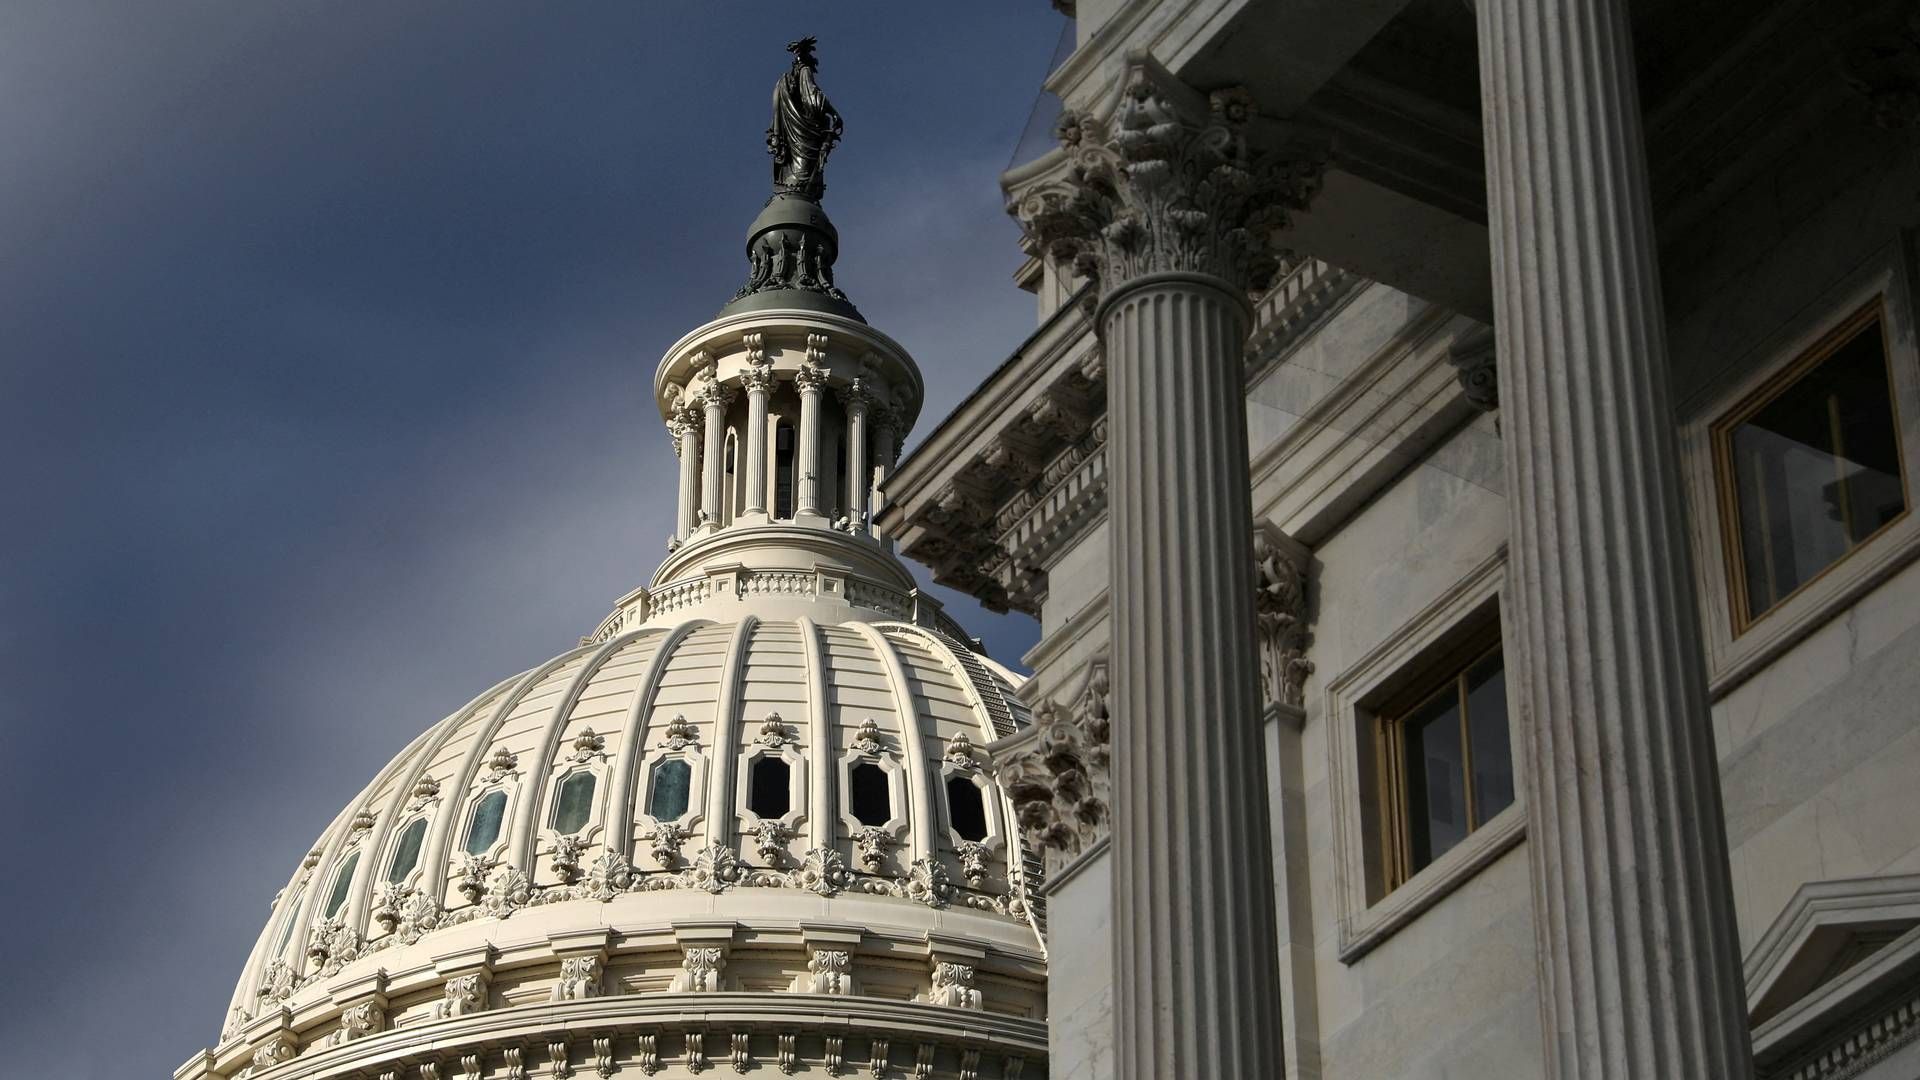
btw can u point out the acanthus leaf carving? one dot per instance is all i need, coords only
(953, 985)
(579, 978)
(973, 857)
(1168, 183)
(1281, 567)
(357, 1022)
(1057, 777)
(567, 850)
(460, 996)
(609, 876)
(771, 836)
(829, 971)
(666, 839)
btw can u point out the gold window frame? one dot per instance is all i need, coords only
(1726, 489)
(1396, 849)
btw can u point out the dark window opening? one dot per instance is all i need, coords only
(869, 793)
(966, 808)
(768, 787)
(1810, 468)
(783, 471)
(575, 804)
(406, 854)
(672, 787)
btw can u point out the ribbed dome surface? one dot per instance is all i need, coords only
(544, 791)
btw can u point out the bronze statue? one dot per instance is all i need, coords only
(805, 127)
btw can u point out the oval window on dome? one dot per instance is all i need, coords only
(966, 808)
(574, 805)
(769, 787)
(871, 794)
(342, 880)
(406, 854)
(484, 827)
(672, 787)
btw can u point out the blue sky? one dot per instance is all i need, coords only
(325, 336)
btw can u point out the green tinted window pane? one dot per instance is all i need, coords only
(575, 804)
(484, 829)
(1816, 470)
(1492, 745)
(672, 784)
(871, 799)
(342, 880)
(768, 788)
(1435, 768)
(966, 808)
(406, 854)
(286, 924)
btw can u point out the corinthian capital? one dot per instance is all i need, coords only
(719, 395)
(758, 378)
(810, 377)
(1170, 181)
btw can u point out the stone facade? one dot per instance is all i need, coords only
(1425, 469)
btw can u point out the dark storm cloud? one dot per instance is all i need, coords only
(325, 339)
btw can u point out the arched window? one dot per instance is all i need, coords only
(574, 804)
(483, 828)
(406, 853)
(869, 794)
(342, 880)
(769, 787)
(782, 472)
(672, 784)
(966, 808)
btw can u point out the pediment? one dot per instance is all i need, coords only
(1828, 932)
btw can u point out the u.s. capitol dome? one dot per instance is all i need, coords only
(747, 823)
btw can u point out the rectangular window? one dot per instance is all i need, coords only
(1447, 761)
(1808, 466)
(783, 471)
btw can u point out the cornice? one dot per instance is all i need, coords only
(995, 496)
(668, 1018)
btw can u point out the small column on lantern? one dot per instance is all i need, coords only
(811, 379)
(886, 421)
(758, 381)
(855, 400)
(716, 397)
(685, 428)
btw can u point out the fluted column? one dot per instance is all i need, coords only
(716, 398)
(759, 382)
(855, 400)
(1171, 214)
(806, 466)
(885, 448)
(1640, 964)
(685, 427)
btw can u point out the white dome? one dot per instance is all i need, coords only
(525, 824)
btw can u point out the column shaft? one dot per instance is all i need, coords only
(857, 479)
(1640, 965)
(883, 452)
(757, 387)
(806, 465)
(686, 427)
(1196, 983)
(710, 505)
